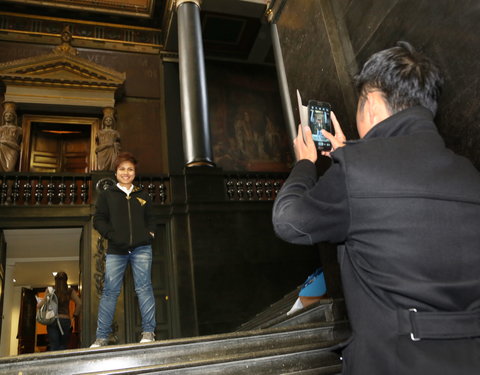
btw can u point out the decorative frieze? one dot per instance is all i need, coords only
(46, 30)
(60, 78)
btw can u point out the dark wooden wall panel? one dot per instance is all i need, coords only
(240, 267)
(15, 51)
(140, 129)
(364, 17)
(176, 159)
(308, 59)
(445, 30)
(142, 70)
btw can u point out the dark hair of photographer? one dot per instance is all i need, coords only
(405, 77)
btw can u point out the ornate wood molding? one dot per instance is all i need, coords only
(61, 78)
(133, 8)
(86, 34)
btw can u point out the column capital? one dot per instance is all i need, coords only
(180, 2)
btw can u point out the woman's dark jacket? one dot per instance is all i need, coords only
(126, 221)
(405, 212)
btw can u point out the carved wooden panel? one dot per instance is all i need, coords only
(58, 144)
(45, 153)
(61, 150)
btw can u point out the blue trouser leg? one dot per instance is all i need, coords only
(114, 270)
(141, 262)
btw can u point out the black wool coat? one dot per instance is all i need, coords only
(126, 221)
(405, 213)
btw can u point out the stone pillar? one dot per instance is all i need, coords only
(283, 83)
(193, 87)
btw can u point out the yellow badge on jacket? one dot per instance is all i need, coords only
(142, 201)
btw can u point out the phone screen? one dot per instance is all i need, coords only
(318, 119)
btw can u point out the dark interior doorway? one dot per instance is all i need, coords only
(59, 148)
(58, 144)
(32, 257)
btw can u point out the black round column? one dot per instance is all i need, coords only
(193, 86)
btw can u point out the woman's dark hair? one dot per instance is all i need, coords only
(61, 287)
(405, 77)
(124, 156)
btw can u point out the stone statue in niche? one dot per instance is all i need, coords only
(107, 141)
(10, 138)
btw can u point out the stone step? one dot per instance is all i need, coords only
(226, 353)
(317, 361)
(326, 310)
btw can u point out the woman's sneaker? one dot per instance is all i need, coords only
(99, 342)
(147, 337)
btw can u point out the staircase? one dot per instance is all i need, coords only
(326, 310)
(271, 343)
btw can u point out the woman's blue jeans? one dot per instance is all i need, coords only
(140, 259)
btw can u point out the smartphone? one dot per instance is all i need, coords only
(318, 119)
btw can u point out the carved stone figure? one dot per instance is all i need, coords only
(107, 141)
(10, 138)
(66, 43)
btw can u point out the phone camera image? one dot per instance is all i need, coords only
(318, 119)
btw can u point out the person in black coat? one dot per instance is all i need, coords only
(123, 216)
(405, 213)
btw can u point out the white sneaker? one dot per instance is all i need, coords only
(147, 337)
(99, 342)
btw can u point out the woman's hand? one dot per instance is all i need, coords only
(337, 140)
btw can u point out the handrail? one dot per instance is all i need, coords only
(262, 186)
(39, 189)
(58, 189)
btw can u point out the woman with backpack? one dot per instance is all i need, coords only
(57, 339)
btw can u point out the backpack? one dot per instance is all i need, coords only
(48, 313)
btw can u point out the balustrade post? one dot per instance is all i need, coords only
(62, 192)
(84, 191)
(38, 191)
(50, 192)
(73, 192)
(27, 192)
(3, 192)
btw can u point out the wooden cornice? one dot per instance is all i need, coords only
(26, 28)
(61, 67)
(60, 77)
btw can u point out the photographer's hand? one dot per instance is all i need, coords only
(337, 140)
(305, 149)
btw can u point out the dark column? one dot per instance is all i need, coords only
(193, 87)
(283, 83)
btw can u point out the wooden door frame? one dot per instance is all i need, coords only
(26, 322)
(81, 121)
